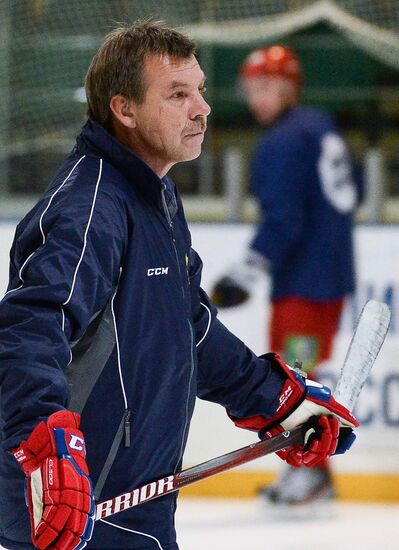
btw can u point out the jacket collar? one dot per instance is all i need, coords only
(95, 139)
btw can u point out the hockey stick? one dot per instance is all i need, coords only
(369, 335)
(365, 345)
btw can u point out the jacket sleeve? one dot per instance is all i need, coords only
(66, 280)
(229, 373)
(278, 176)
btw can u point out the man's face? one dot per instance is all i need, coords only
(267, 97)
(171, 121)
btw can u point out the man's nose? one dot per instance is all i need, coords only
(200, 108)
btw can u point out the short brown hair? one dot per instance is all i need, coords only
(118, 65)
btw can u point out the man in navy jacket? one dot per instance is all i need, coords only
(106, 335)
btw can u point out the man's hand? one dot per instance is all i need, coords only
(328, 426)
(59, 491)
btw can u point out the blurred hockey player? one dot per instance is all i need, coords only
(307, 189)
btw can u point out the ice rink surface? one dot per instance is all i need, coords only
(213, 524)
(251, 525)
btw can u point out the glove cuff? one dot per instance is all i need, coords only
(291, 396)
(293, 391)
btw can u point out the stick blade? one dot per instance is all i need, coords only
(369, 335)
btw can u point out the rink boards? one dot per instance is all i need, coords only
(371, 470)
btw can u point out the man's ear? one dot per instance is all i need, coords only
(123, 110)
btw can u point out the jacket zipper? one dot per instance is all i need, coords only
(170, 222)
(171, 228)
(123, 431)
(188, 395)
(127, 415)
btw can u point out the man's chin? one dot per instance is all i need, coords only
(196, 154)
(191, 154)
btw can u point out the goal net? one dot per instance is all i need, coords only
(46, 46)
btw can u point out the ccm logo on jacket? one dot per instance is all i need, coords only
(157, 271)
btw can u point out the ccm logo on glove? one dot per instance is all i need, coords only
(77, 443)
(284, 396)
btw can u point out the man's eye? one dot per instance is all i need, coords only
(202, 90)
(179, 94)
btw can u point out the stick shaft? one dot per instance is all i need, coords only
(366, 342)
(169, 484)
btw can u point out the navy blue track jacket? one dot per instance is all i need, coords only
(104, 315)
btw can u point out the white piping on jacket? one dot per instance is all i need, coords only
(41, 227)
(82, 253)
(117, 344)
(53, 195)
(209, 324)
(190, 379)
(132, 531)
(85, 234)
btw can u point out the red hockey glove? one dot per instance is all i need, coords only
(328, 425)
(59, 492)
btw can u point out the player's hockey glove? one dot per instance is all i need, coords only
(328, 425)
(236, 287)
(59, 491)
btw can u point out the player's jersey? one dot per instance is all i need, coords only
(305, 182)
(104, 314)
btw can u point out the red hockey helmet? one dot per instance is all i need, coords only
(276, 60)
